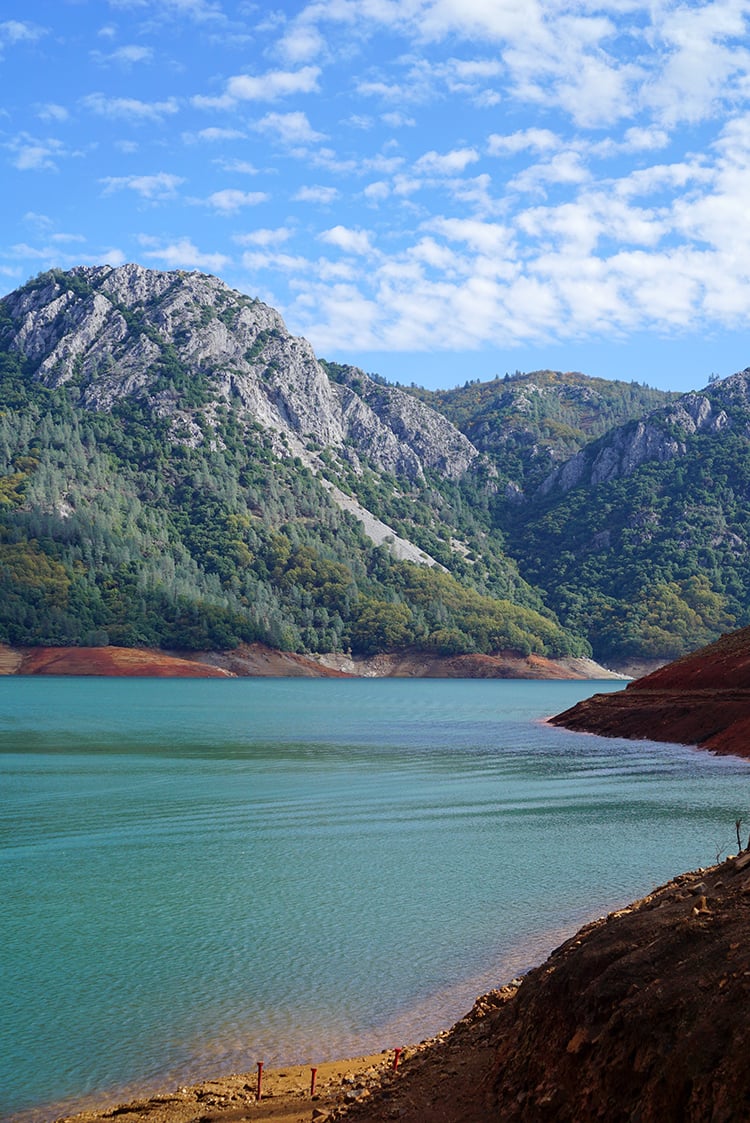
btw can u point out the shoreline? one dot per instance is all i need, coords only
(285, 1098)
(256, 660)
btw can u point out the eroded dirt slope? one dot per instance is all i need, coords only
(702, 699)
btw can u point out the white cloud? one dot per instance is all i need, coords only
(130, 108)
(33, 154)
(162, 185)
(317, 194)
(20, 31)
(264, 237)
(398, 120)
(377, 191)
(198, 10)
(350, 241)
(213, 135)
(183, 254)
(230, 200)
(301, 42)
(645, 139)
(285, 263)
(447, 163)
(271, 86)
(704, 58)
(125, 56)
(241, 167)
(487, 238)
(53, 112)
(289, 128)
(532, 140)
(563, 168)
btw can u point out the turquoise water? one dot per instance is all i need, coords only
(200, 874)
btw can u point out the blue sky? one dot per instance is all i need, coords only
(435, 190)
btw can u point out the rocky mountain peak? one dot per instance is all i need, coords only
(127, 331)
(658, 437)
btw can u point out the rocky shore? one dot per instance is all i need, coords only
(640, 1015)
(702, 699)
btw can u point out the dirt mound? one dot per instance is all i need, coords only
(702, 699)
(502, 664)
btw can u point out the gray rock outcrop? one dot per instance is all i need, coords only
(657, 438)
(115, 332)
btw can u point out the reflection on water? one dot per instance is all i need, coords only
(199, 873)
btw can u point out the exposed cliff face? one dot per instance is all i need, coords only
(659, 437)
(111, 332)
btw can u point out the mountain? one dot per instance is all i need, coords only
(177, 470)
(528, 424)
(642, 539)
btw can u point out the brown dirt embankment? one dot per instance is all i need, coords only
(702, 699)
(257, 660)
(117, 662)
(641, 1015)
(502, 664)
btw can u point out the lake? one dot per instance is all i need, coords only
(200, 874)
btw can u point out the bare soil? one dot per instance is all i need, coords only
(702, 699)
(258, 660)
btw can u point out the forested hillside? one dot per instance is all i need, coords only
(176, 470)
(529, 423)
(143, 503)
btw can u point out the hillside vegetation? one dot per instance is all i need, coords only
(144, 504)
(176, 470)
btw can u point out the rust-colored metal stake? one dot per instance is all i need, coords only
(396, 1055)
(259, 1093)
(313, 1074)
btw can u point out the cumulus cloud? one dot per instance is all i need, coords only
(32, 154)
(160, 186)
(130, 108)
(265, 236)
(14, 31)
(351, 241)
(317, 194)
(125, 56)
(230, 200)
(446, 163)
(213, 135)
(271, 86)
(289, 128)
(53, 112)
(183, 254)
(563, 168)
(531, 140)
